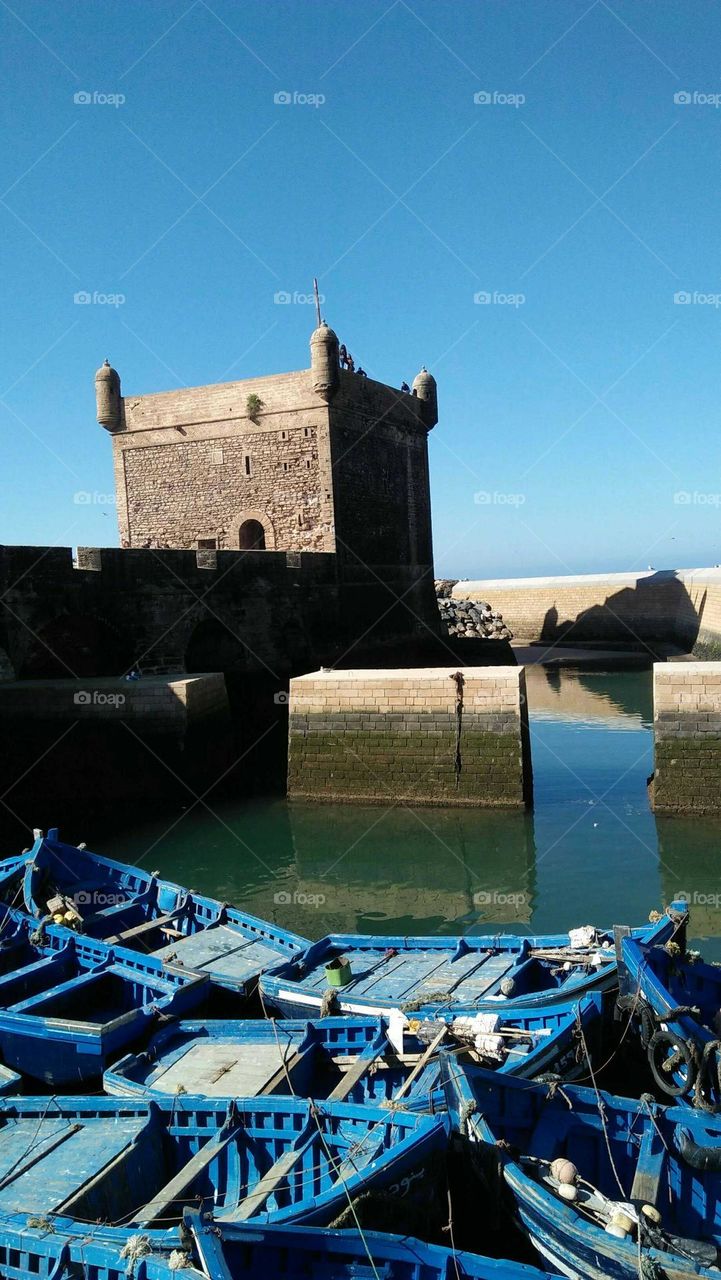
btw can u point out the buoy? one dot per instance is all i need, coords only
(651, 1212)
(622, 1222)
(58, 918)
(612, 1230)
(568, 1192)
(508, 986)
(564, 1171)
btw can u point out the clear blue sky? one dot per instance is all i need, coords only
(598, 198)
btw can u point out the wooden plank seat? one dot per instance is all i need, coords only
(147, 926)
(166, 1201)
(257, 1198)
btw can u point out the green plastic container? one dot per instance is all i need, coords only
(338, 972)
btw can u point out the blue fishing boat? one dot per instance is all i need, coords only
(38, 1252)
(126, 1168)
(606, 1188)
(350, 973)
(295, 1253)
(350, 1059)
(675, 1001)
(68, 1004)
(359, 1059)
(129, 907)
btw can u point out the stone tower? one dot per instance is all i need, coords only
(316, 460)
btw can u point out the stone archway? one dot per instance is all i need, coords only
(252, 530)
(251, 536)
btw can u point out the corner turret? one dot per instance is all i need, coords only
(107, 397)
(424, 387)
(324, 361)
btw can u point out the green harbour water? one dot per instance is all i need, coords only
(591, 850)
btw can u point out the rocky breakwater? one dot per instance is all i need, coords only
(471, 619)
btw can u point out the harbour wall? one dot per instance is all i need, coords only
(69, 748)
(681, 607)
(426, 736)
(687, 737)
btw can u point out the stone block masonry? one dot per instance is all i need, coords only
(687, 724)
(383, 737)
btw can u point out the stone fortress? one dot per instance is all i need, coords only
(321, 459)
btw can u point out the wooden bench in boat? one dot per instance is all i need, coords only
(272, 1178)
(137, 931)
(168, 1198)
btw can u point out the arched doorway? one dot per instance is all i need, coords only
(251, 536)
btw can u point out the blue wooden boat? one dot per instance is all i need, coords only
(675, 1000)
(40, 1253)
(129, 907)
(350, 973)
(296, 1253)
(350, 1057)
(68, 1004)
(126, 1168)
(606, 1188)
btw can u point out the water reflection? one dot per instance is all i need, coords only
(591, 851)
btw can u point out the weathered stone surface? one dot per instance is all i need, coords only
(687, 729)
(384, 736)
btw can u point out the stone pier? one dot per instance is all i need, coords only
(428, 736)
(687, 726)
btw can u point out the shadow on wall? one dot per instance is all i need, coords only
(657, 609)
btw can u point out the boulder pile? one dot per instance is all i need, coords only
(472, 619)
